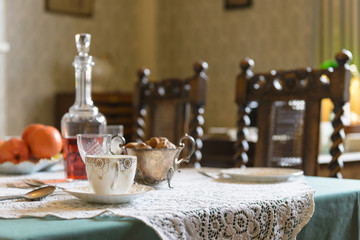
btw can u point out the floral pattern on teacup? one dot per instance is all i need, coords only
(101, 166)
(127, 163)
(100, 163)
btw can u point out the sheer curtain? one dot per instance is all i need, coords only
(337, 28)
(4, 47)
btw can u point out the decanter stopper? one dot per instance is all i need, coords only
(83, 43)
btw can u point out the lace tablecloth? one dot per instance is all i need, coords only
(196, 208)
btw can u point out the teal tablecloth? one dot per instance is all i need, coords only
(336, 216)
(77, 229)
(337, 212)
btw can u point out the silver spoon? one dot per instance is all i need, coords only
(12, 185)
(33, 195)
(34, 182)
(208, 175)
(38, 183)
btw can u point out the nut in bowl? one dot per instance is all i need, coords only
(158, 159)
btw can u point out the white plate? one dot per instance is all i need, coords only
(87, 194)
(262, 174)
(27, 167)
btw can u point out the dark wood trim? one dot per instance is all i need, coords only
(235, 4)
(79, 8)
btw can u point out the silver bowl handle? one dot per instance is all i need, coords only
(182, 146)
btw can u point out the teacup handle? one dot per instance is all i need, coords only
(121, 144)
(182, 146)
(115, 182)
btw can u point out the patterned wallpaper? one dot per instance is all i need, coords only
(276, 34)
(43, 49)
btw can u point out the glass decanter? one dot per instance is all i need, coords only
(83, 116)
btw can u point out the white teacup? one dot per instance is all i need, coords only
(110, 174)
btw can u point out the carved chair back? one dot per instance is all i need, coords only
(288, 106)
(171, 107)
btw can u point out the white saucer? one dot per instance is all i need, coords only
(87, 194)
(253, 174)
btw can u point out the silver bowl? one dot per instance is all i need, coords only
(157, 165)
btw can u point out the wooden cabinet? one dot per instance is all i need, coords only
(116, 106)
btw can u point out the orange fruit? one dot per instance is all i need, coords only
(45, 142)
(14, 150)
(29, 129)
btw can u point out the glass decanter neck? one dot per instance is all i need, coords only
(83, 63)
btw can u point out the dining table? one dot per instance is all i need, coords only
(196, 207)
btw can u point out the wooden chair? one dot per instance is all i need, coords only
(288, 114)
(175, 107)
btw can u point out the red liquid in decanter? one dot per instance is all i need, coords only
(74, 165)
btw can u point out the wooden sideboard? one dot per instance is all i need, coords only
(116, 106)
